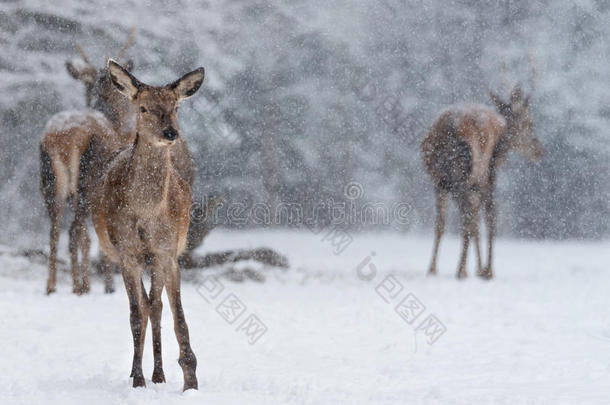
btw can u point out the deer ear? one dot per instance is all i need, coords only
(500, 105)
(82, 72)
(129, 65)
(124, 81)
(72, 70)
(516, 96)
(188, 84)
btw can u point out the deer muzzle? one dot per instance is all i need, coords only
(170, 134)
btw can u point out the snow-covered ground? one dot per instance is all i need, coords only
(537, 334)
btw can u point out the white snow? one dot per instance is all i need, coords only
(65, 120)
(537, 334)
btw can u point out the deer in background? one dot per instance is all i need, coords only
(141, 216)
(462, 153)
(75, 147)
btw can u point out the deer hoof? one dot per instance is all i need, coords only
(138, 381)
(50, 290)
(158, 376)
(109, 289)
(190, 384)
(431, 273)
(461, 275)
(486, 274)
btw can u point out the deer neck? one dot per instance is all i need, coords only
(502, 148)
(149, 174)
(122, 117)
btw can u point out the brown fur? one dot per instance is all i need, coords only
(68, 149)
(141, 216)
(462, 152)
(74, 148)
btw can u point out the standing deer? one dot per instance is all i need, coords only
(75, 147)
(71, 164)
(102, 95)
(462, 153)
(141, 215)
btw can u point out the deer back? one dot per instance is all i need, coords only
(459, 148)
(67, 138)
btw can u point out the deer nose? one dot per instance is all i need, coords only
(170, 134)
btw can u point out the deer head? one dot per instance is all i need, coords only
(100, 94)
(156, 106)
(519, 123)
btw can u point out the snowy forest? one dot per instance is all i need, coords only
(302, 98)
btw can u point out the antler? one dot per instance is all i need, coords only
(534, 70)
(505, 74)
(82, 53)
(129, 43)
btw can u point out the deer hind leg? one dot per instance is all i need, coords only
(55, 215)
(187, 359)
(490, 220)
(54, 186)
(138, 318)
(84, 243)
(476, 234)
(74, 245)
(156, 308)
(107, 268)
(469, 206)
(442, 200)
(80, 242)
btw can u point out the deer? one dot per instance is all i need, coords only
(141, 216)
(101, 95)
(75, 147)
(462, 153)
(71, 164)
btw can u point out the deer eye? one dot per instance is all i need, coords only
(142, 109)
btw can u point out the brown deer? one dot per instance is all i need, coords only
(75, 147)
(65, 156)
(101, 95)
(141, 215)
(67, 149)
(462, 153)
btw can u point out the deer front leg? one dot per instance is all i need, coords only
(156, 308)
(138, 315)
(441, 214)
(187, 359)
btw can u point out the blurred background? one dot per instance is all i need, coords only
(302, 98)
